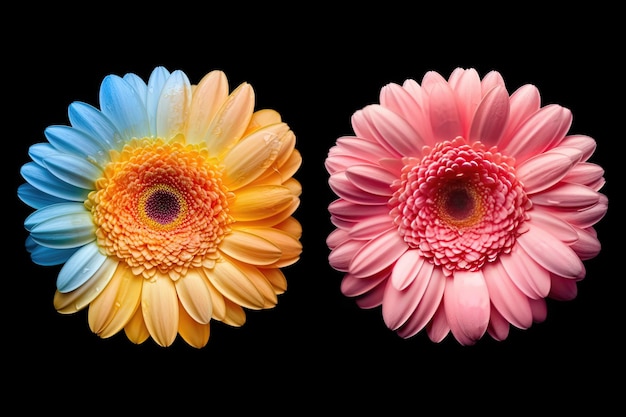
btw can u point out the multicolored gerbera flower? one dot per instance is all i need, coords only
(168, 207)
(461, 208)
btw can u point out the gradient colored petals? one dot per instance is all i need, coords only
(461, 207)
(169, 206)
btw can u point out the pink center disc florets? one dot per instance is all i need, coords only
(461, 205)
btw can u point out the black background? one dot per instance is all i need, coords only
(316, 350)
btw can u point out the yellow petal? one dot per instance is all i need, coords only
(255, 203)
(262, 118)
(116, 304)
(217, 300)
(289, 245)
(231, 120)
(159, 304)
(260, 282)
(194, 333)
(253, 155)
(235, 315)
(287, 163)
(73, 301)
(291, 226)
(275, 277)
(249, 248)
(235, 285)
(269, 221)
(195, 296)
(208, 96)
(136, 329)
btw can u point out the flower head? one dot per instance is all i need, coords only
(168, 206)
(462, 207)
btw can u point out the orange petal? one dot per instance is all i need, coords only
(159, 304)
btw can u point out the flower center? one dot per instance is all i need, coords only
(460, 206)
(161, 206)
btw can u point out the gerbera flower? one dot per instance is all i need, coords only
(169, 206)
(461, 208)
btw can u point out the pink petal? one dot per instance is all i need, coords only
(398, 305)
(539, 308)
(554, 225)
(586, 144)
(524, 102)
(587, 246)
(372, 298)
(408, 267)
(528, 275)
(389, 129)
(352, 286)
(563, 289)
(368, 151)
(371, 179)
(341, 256)
(506, 297)
(580, 218)
(336, 237)
(490, 80)
(543, 171)
(444, 115)
(402, 102)
(466, 87)
(539, 132)
(438, 328)
(430, 302)
(346, 210)
(378, 254)
(344, 188)
(586, 173)
(371, 227)
(490, 118)
(551, 253)
(567, 195)
(498, 326)
(467, 306)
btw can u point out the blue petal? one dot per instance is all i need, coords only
(75, 142)
(44, 256)
(53, 210)
(156, 82)
(121, 104)
(44, 181)
(35, 198)
(39, 151)
(80, 267)
(65, 231)
(138, 85)
(173, 105)
(74, 170)
(90, 120)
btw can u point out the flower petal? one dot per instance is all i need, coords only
(156, 81)
(526, 273)
(91, 121)
(35, 198)
(250, 248)
(69, 230)
(258, 202)
(111, 311)
(378, 254)
(235, 285)
(73, 141)
(76, 300)
(194, 333)
(159, 304)
(344, 188)
(80, 267)
(567, 195)
(408, 267)
(523, 103)
(231, 120)
(467, 306)
(208, 96)
(400, 101)
(542, 171)
(120, 103)
(444, 115)
(195, 296)
(41, 179)
(371, 227)
(427, 307)
(372, 179)
(74, 170)
(551, 253)
(506, 297)
(490, 117)
(242, 166)
(173, 105)
(400, 304)
(52, 211)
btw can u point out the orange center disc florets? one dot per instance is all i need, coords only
(161, 206)
(460, 206)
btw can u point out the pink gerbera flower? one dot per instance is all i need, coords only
(462, 207)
